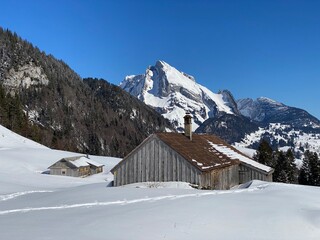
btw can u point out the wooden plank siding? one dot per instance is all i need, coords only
(247, 173)
(224, 178)
(59, 166)
(155, 161)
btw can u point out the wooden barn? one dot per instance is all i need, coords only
(203, 160)
(79, 166)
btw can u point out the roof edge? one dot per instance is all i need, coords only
(132, 152)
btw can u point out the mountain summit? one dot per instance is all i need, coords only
(243, 122)
(265, 110)
(173, 93)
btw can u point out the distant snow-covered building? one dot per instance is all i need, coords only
(200, 159)
(79, 166)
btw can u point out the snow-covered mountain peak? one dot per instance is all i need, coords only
(173, 93)
(269, 101)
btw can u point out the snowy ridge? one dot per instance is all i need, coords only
(266, 110)
(173, 93)
(23, 161)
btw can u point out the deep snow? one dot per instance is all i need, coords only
(39, 206)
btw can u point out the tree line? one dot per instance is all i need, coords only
(285, 169)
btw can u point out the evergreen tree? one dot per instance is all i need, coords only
(285, 168)
(291, 167)
(282, 177)
(280, 170)
(310, 170)
(305, 172)
(264, 154)
(314, 169)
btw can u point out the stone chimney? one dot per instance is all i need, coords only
(188, 126)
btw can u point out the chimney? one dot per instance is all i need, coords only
(188, 126)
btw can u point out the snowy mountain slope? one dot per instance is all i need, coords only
(23, 161)
(9, 139)
(173, 93)
(283, 126)
(283, 136)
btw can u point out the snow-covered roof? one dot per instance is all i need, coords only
(236, 155)
(80, 161)
(94, 163)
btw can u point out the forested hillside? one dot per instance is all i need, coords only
(42, 98)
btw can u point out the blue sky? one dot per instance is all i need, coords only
(252, 48)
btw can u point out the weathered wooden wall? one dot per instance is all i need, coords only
(95, 170)
(69, 172)
(77, 172)
(224, 178)
(155, 161)
(247, 174)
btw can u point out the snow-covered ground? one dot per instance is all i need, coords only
(39, 206)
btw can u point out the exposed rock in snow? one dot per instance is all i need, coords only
(173, 93)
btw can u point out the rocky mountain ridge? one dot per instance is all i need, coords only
(172, 93)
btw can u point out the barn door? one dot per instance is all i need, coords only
(63, 171)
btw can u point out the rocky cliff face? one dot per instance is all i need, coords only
(24, 77)
(173, 93)
(265, 111)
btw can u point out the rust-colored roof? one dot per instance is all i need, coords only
(205, 152)
(198, 151)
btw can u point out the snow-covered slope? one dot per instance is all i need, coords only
(9, 139)
(23, 161)
(35, 206)
(261, 211)
(283, 136)
(173, 93)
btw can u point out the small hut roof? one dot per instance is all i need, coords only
(79, 161)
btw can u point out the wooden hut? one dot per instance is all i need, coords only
(203, 160)
(79, 166)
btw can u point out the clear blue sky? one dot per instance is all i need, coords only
(252, 48)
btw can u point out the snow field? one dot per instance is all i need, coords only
(35, 206)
